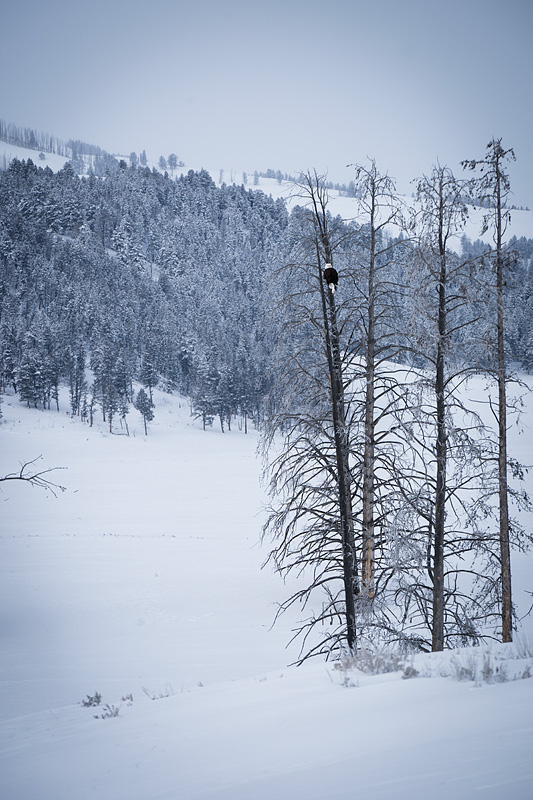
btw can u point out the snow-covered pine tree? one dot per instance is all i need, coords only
(145, 407)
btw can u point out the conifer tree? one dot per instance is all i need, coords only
(144, 406)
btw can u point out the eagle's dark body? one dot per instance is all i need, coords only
(331, 276)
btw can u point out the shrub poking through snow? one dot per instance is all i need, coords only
(487, 666)
(168, 691)
(108, 712)
(377, 662)
(92, 700)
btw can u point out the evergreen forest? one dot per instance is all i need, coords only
(137, 277)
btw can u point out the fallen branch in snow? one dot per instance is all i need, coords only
(35, 478)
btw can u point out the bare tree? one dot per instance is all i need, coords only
(312, 521)
(451, 437)
(380, 219)
(443, 212)
(491, 189)
(324, 260)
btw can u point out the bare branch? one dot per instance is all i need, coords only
(34, 477)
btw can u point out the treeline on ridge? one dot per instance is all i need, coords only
(143, 277)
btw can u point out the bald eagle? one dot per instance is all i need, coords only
(331, 277)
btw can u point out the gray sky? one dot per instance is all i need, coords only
(285, 84)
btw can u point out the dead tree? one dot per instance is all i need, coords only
(310, 478)
(324, 258)
(491, 190)
(443, 314)
(380, 220)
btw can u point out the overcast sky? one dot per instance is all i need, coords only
(285, 84)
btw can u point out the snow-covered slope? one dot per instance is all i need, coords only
(296, 735)
(10, 151)
(339, 205)
(142, 582)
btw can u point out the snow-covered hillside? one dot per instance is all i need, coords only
(10, 151)
(142, 583)
(339, 205)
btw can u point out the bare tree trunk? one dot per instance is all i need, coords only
(380, 207)
(505, 554)
(341, 451)
(494, 187)
(440, 448)
(338, 413)
(443, 214)
(369, 439)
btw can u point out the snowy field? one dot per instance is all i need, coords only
(142, 582)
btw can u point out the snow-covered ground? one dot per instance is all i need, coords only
(155, 547)
(142, 583)
(10, 151)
